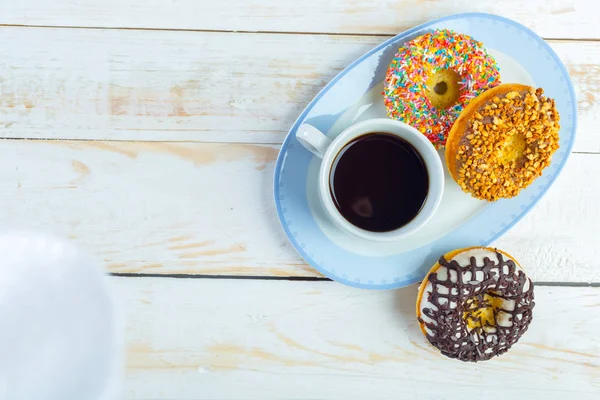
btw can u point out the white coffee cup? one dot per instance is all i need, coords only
(326, 149)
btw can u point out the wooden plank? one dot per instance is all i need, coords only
(193, 86)
(201, 208)
(218, 339)
(555, 19)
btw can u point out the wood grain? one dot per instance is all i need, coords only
(215, 339)
(552, 19)
(207, 208)
(196, 86)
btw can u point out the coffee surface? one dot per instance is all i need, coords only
(379, 182)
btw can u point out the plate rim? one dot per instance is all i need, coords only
(284, 146)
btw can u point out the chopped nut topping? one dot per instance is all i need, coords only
(506, 154)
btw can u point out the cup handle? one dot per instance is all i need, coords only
(313, 139)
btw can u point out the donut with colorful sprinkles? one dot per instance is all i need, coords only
(433, 77)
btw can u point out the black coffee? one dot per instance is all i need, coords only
(379, 182)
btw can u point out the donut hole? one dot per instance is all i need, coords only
(443, 88)
(512, 149)
(481, 310)
(440, 88)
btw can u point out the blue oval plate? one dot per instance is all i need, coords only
(461, 221)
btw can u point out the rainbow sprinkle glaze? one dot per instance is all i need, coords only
(405, 83)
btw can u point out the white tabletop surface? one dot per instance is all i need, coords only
(146, 132)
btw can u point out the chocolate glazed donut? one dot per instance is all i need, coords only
(475, 304)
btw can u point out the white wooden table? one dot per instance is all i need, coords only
(146, 131)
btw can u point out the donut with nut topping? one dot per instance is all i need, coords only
(502, 141)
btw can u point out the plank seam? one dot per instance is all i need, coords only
(137, 141)
(359, 34)
(233, 277)
(301, 278)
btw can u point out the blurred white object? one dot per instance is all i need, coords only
(58, 331)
